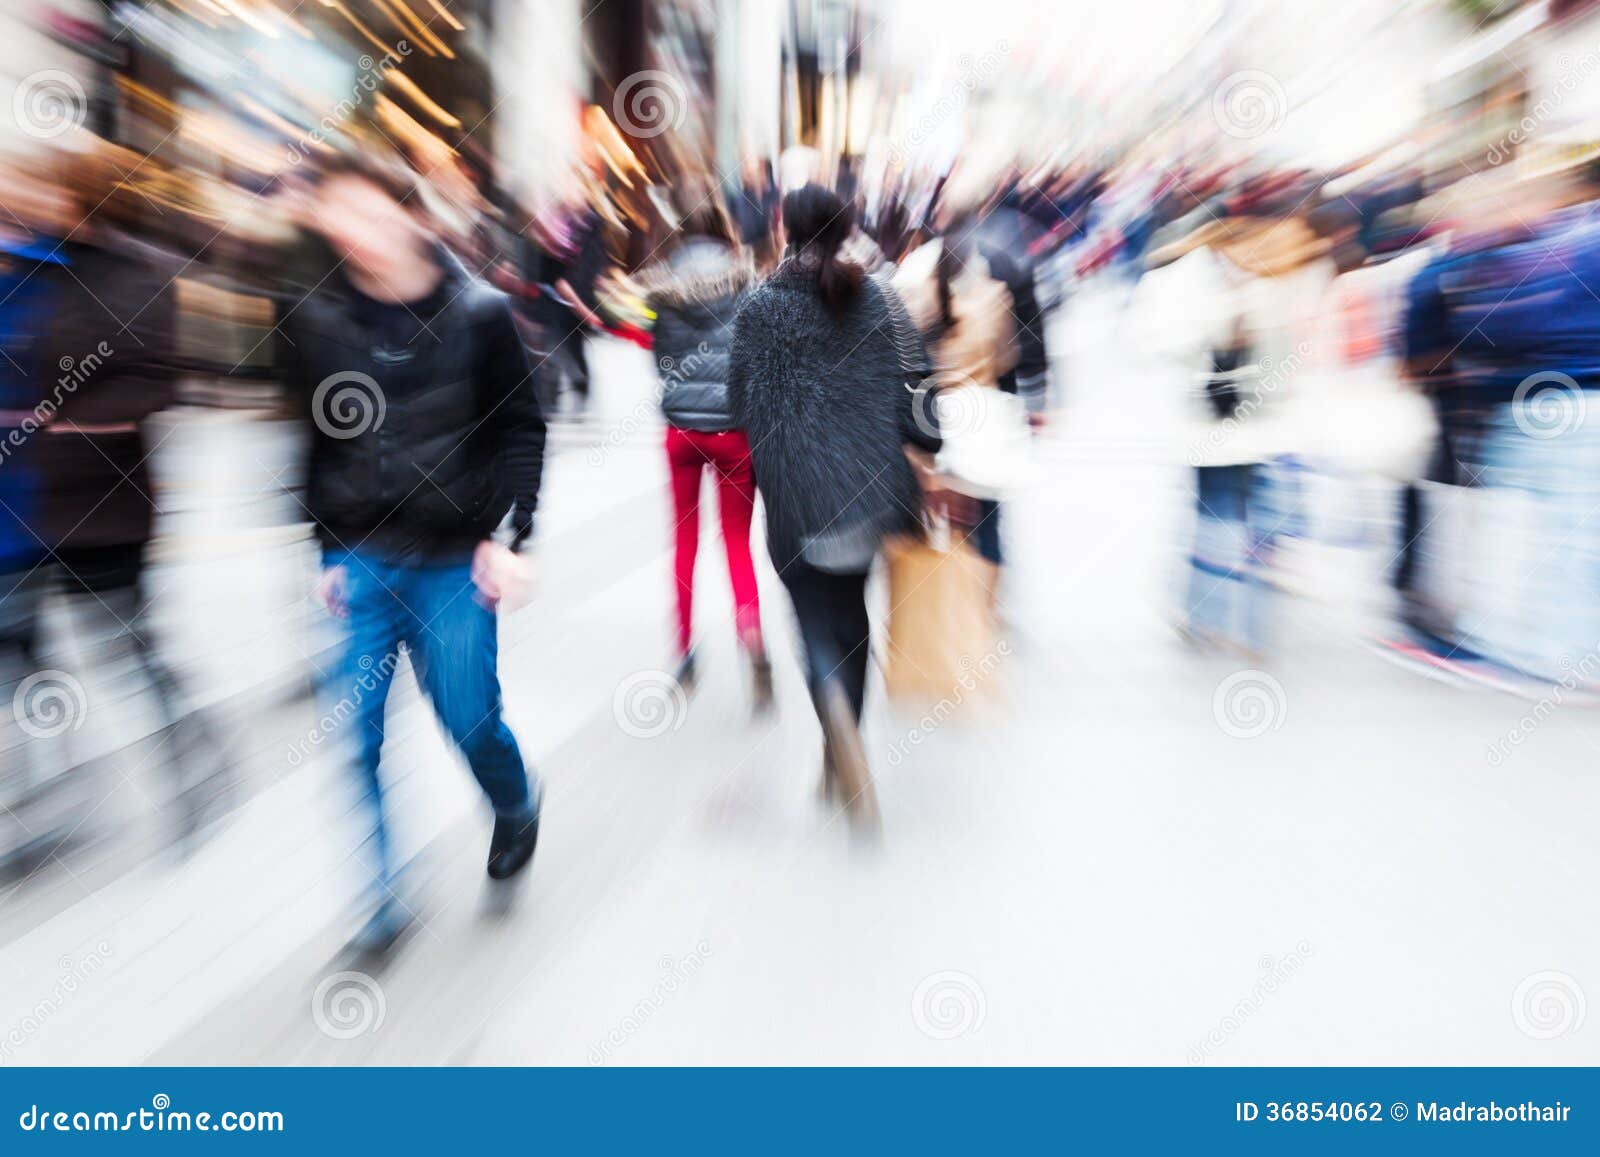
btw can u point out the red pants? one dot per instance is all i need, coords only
(689, 452)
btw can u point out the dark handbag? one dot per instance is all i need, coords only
(1222, 383)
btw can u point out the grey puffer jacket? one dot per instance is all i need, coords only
(826, 404)
(694, 294)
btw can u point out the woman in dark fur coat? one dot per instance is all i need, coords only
(819, 379)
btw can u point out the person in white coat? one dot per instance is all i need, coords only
(1245, 293)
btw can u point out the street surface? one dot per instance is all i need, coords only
(1104, 865)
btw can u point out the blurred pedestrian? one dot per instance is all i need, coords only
(427, 437)
(694, 292)
(818, 383)
(756, 211)
(84, 376)
(1005, 235)
(26, 303)
(964, 314)
(1254, 287)
(575, 279)
(1515, 372)
(110, 368)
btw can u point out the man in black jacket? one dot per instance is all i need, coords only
(427, 437)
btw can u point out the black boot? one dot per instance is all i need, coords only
(685, 673)
(378, 937)
(846, 775)
(511, 847)
(760, 682)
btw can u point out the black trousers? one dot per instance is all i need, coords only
(1406, 568)
(1442, 467)
(21, 592)
(834, 629)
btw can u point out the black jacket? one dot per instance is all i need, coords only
(102, 377)
(827, 405)
(694, 294)
(419, 446)
(1030, 376)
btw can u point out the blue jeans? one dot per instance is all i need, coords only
(431, 612)
(986, 535)
(1227, 594)
(1537, 572)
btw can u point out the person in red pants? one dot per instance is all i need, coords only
(694, 292)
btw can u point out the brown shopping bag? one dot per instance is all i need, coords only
(943, 642)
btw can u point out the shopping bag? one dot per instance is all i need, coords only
(944, 648)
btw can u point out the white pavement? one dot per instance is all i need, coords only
(1095, 872)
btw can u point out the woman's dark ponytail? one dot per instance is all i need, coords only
(945, 272)
(818, 223)
(838, 280)
(955, 250)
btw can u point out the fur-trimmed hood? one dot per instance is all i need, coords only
(693, 294)
(700, 271)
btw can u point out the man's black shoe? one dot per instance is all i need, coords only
(513, 842)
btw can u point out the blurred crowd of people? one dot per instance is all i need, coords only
(858, 350)
(1394, 333)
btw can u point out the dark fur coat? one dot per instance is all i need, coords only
(828, 405)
